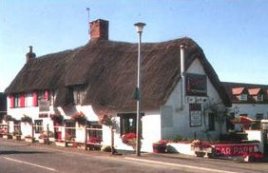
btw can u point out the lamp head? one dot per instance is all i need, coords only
(139, 26)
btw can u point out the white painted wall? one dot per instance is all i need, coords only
(256, 135)
(180, 116)
(153, 128)
(26, 129)
(151, 132)
(33, 112)
(250, 109)
(158, 125)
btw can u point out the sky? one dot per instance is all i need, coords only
(232, 33)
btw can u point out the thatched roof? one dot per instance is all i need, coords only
(3, 104)
(107, 69)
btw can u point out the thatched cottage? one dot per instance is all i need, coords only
(99, 79)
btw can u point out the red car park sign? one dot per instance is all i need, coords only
(235, 149)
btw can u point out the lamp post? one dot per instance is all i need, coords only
(139, 27)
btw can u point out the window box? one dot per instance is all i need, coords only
(7, 136)
(60, 143)
(29, 139)
(43, 141)
(16, 137)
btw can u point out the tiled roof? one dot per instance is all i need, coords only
(237, 91)
(254, 91)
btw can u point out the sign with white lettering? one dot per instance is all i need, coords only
(235, 149)
(195, 115)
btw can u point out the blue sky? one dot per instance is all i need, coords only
(232, 33)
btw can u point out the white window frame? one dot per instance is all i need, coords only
(259, 97)
(243, 97)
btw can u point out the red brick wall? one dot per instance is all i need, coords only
(99, 29)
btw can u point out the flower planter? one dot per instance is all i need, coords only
(60, 144)
(159, 148)
(51, 139)
(30, 140)
(7, 136)
(81, 146)
(71, 144)
(43, 141)
(129, 139)
(16, 137)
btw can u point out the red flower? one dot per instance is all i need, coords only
(129, 138)
(93, 139)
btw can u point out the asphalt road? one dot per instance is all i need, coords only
(20, 157)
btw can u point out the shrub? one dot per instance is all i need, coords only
(106, 148)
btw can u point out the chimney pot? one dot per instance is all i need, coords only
(30, 55)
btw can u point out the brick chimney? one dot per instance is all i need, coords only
(30, 55)
(99, 30)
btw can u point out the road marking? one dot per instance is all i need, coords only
(31, 164)
(179, 165)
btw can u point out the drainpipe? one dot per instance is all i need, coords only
(182, 76)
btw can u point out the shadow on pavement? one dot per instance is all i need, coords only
(21, 152)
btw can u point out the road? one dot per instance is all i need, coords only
(20, 157)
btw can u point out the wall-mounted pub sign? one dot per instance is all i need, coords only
(195, 114)
(196, 84)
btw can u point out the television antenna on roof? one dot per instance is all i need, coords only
(88, 12)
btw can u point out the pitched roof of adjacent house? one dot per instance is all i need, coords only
(233, 89)
(107, 70)
(238, 91)
(254, 91)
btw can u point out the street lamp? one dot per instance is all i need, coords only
(139, 27)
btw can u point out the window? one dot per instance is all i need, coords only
(70, 129)
(94, 130)
(16, 101)
(43, 95)
(77, 97)
(243, 97)
(211, 121)
(28, 100)
(259, 116)
(127, 123)
(259, 98)
(38, 126)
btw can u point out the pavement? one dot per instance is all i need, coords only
(158, 157)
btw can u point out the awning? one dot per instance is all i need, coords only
(242, 120)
